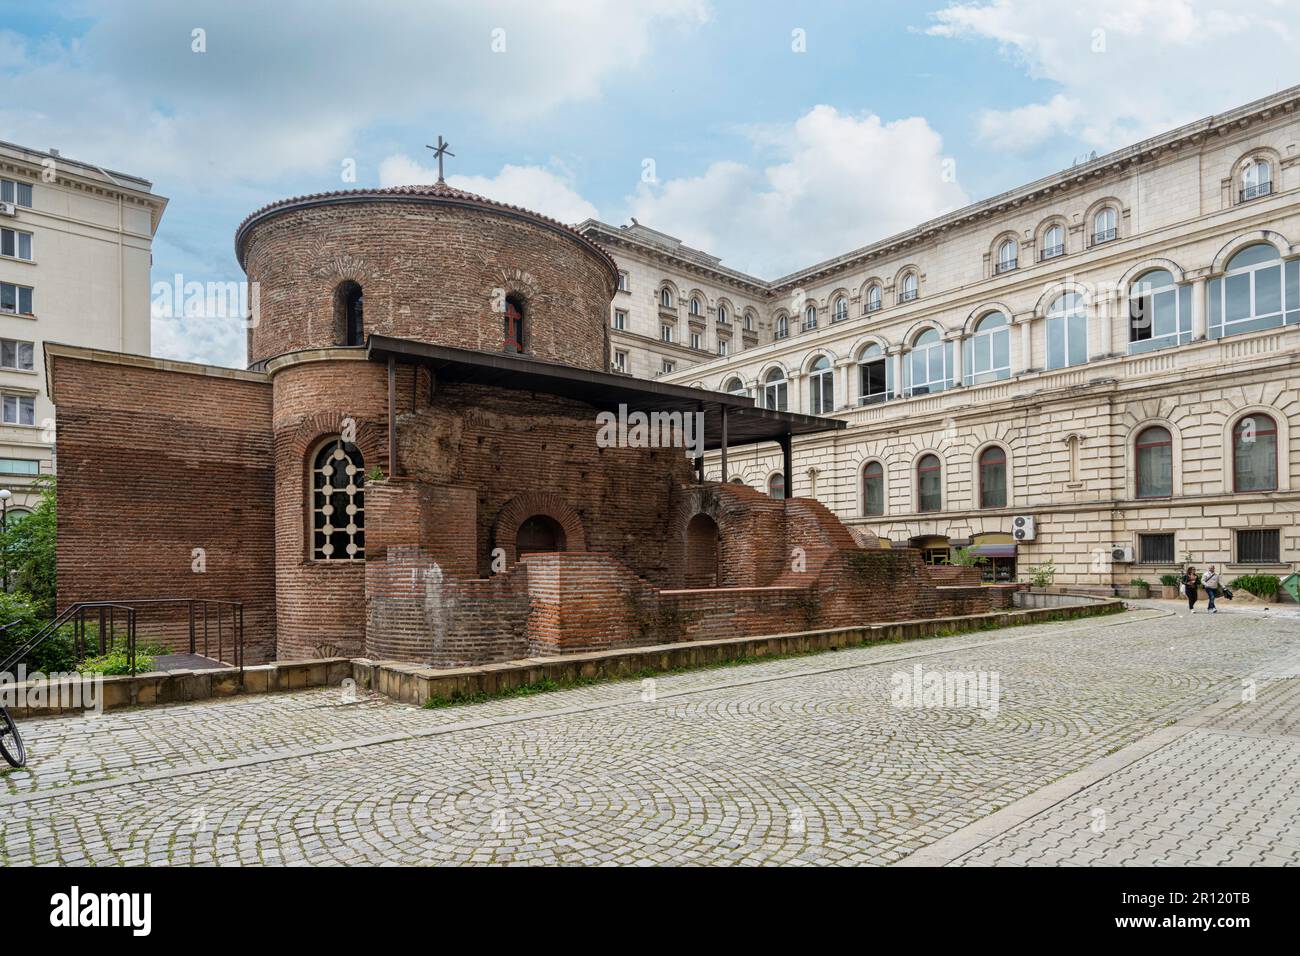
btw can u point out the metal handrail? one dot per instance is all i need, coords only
(78, 610)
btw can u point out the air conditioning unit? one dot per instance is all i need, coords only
(1121, 554)
(8, 209)
(1022, 528)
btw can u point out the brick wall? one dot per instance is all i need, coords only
(154, 462)
(428, 271)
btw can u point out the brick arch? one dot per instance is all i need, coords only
(505, 530)
(299, 439)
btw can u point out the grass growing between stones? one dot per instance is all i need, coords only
(546, 685)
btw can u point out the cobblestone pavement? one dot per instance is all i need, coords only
(803, 760)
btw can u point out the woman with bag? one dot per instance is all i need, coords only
(1191, 580)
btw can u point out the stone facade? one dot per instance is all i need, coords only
(1193, 207)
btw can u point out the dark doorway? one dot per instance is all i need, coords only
(539, 534)
(702, 552)
(351, 310)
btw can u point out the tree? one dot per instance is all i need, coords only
(27, 550)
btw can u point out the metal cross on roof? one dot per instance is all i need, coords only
(442, 149)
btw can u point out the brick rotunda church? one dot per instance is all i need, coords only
(409, 467)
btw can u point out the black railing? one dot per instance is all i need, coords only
(1005, 265)
(1105, 235)
(873, 305)
(907, 296)
(1254, 192)
(1051, 252)
(109, 614)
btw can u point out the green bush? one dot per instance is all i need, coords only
(116, 662)
(1139, 583)
(28, 616)
(1042, 575)
(1170, 580)
(1260, 585)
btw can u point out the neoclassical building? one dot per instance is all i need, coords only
(1110, 354)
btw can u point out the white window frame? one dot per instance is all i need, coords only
(1005, 262)
(696, 341)
(971, 373)
(1224, 326)
(841, 311)
(666, 333)
(619, 321)
(875, 298)
(1110, 221)
(723, 346)
(18, 404)
(19, 289)
(1062, 316)
(776, 391)
(821, 387)
(624, 282)
(930, 385)
(17, 349)
(31, 245)
(910, 288)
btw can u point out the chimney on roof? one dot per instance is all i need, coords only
(53, 151)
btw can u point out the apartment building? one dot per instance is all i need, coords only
(75, 245)
(1096, 371)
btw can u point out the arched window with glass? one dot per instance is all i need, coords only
(929, 484)
(1067, 331)
(774, 390)
(1154, 457)
(338, 502)
(1008, 253)
(1254, 453)
(908, 288)
(666, 297)
(821, 387)
(841, 310)
(1053, 242)
(875, 376)
(782, 326)
(1256, 180)
(776, 485)
(992, 467)
(873, 300)
(695, 306)
(1256, 291)
(810, 317)
(873, 488)
(986, 355)
(749, 321)
(927, 365)
(1104, 225)
(1159, 312)
(724, 317)
(734, 386)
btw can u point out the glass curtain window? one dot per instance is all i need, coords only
(1254, 454)
(873, 489)
(1067, 332)
(986, 355)
(1155, 463)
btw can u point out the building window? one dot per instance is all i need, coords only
(1254, 454)
(620, 361)
(776, 485)
(1154, 457)
(874, 300)
(1256, 180)
(841, 311)
(17, 355)
(821, 387)
(695, 306)
(15, 244)
(1155, 549)
(987, 354)
(1103, 226)
(993, 477)
(665, 333)
(929, 484)
(1053, 243)
(19, 410)
(782, 326)
(514, 324)
(908, 288)
(749, 322)
(623, 282)
(774, 390)
(20, 194)
(19, 466)
(1067, 332)
(723, 346)
(1008, 250)
(874, 374)
(15, 299)
(695, 340)
(734, 386)
(669, 367)
(873, 489)
(1160, 312)
(666, 297)
(927, 364)
(810, 318)
(620, 320)
(1259, 546)
(1253, 293)
(349, 304)
(338, 503)
(724, 317)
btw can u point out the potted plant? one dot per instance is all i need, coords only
(1138, 588)
(1169, 587)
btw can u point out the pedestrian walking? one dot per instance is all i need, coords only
(1213, 585)
(1190, 582)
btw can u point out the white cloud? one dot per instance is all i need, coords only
(210, 341)
(533, 187)
(1127, 69)
(834, 182)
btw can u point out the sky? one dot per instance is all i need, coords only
(771, 134)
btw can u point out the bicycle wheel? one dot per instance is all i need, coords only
(11, 742)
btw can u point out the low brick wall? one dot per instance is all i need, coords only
(173, 687)
(413, 684)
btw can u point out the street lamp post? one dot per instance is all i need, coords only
(5, 495)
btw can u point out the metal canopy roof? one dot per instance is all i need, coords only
(747, 424)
